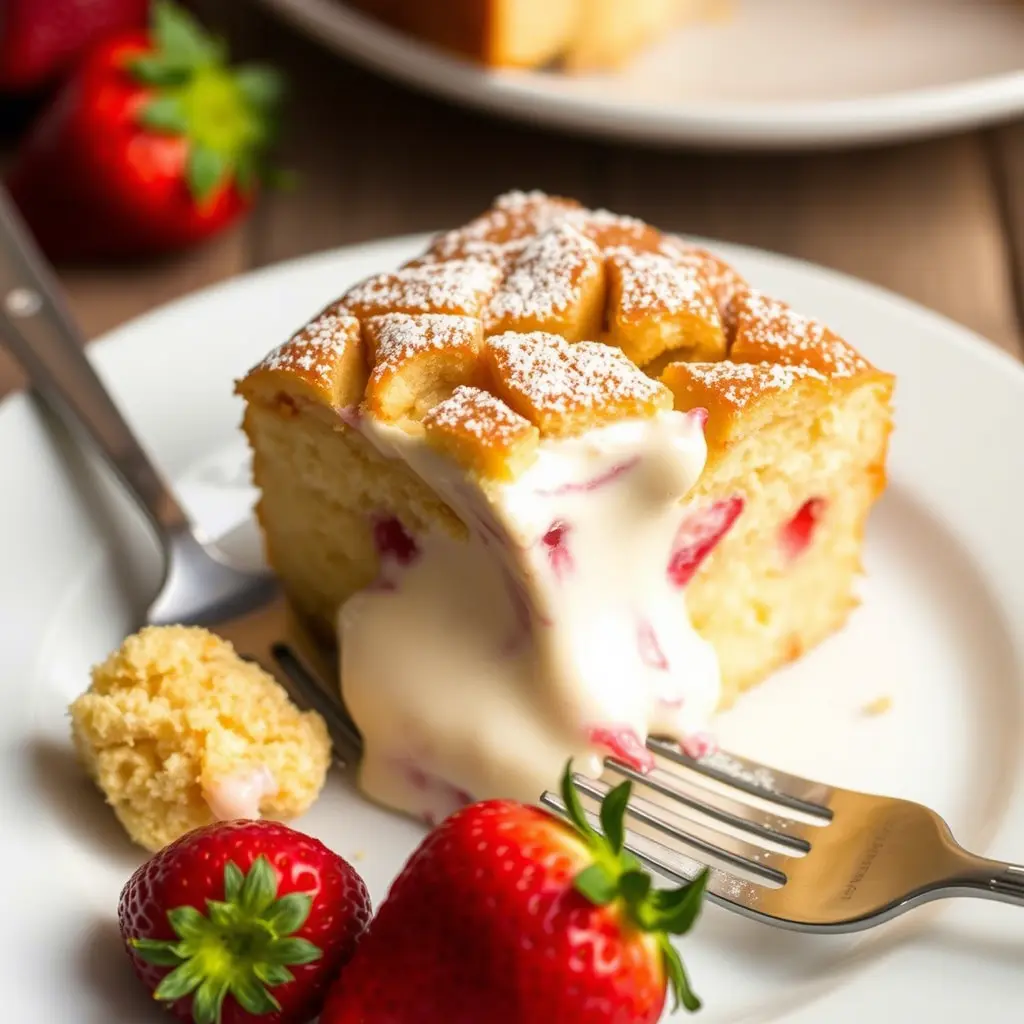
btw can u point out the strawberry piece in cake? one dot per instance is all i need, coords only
(393, 541)
(556, 542)
(797, 535)
(699, 535)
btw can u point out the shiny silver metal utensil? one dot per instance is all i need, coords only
(199, 587)
(784, 850)
(791, 852)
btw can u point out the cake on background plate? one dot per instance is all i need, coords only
(561, 482)
(579, 34)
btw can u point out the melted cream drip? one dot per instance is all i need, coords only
(240, 796)
(477, 670)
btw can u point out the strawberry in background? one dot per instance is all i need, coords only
(41, 39)
(152, 145)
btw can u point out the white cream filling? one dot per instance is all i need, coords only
(476, 670)
(240, 796)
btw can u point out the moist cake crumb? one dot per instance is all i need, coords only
(878, 706)
(176, 727)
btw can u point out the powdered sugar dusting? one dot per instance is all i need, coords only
(534, 261)
(770, 330)
(480, 414)
(556, 377)
(316, 349)
(459, 286)
(398, 336)
(652, 285)
(504, 231)
(752, 774)
(723, 281)
(740, 383)
(610, 230)
(548, 277)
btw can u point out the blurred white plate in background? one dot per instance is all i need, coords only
(773, 74)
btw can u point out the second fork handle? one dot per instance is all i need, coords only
(44, 339)
(988, 879)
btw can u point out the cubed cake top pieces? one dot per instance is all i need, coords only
(779, 363)
(542, 318)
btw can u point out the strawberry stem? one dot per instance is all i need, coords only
(242, 947)
(616, 875)
(228, 115)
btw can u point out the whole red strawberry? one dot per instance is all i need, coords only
(40, 39)
(508, 915)
(152, 145)
(243, 920)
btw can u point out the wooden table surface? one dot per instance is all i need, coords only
(941, 222)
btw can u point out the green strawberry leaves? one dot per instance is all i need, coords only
(259, 888)
(261, 86)
(613, 811)
(164, 114)
(615, 875)
(233, 881)
(229, 115)
(679, 982)
(574, 809)
(180, 982)
(179, 46)
(180, 38)
(598, 884)
(676, 910)
(289, 913)
(253, 997)
(241, 947)
(157, 952)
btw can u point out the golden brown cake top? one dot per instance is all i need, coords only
(543, 318)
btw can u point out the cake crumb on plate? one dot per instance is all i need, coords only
(178, 731)
(878, 706)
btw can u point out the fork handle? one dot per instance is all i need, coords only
(988, 879)
(43, 337)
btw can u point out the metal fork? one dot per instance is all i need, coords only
(784, 850)
(199, 587)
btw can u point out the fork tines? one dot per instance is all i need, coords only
(737, 817)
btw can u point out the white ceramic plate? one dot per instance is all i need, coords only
(775, 73)
(941, 632)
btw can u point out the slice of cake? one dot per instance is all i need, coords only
(581, 34)
(559, 483)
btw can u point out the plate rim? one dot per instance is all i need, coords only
(957, 335)
(521, 95)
